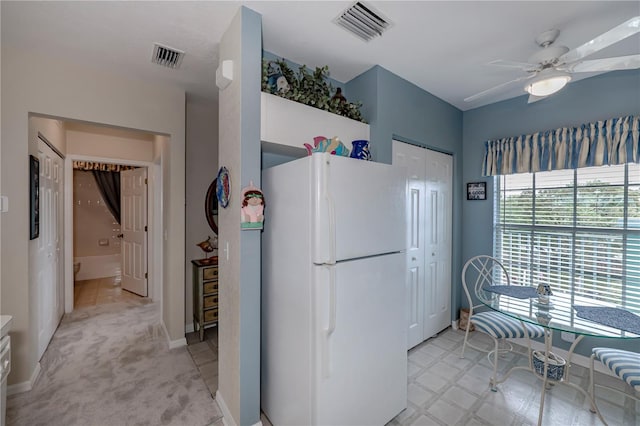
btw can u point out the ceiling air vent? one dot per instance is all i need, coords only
(166, 56)
(362, 21)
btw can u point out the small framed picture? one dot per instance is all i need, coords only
(476, 191)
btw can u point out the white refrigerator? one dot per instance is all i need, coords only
(334, 313)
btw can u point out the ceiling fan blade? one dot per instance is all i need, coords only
(629, 62)
(514, 64)
(533, 98)
(497, 88)
(622, 31)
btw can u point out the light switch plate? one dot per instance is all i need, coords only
(4, 204)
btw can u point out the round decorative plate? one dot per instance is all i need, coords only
(223, 187)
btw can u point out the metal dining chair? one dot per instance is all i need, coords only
(624, 364)
(477, 273)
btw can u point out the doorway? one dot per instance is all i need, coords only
(95, 143)
(430, 212)
(109, 231)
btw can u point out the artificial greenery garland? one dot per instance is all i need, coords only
(307, 88)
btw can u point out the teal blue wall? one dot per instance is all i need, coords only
(610, 95)
(250, 242)
(397, 109)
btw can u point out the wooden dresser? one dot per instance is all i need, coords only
(205, 294)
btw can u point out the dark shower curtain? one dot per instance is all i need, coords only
(109, 186)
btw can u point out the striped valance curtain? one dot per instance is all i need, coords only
(607, 142)
(104, 167)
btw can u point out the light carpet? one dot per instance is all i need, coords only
(111, 365)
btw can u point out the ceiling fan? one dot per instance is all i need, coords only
(551, 68)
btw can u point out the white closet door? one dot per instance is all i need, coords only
(49, 280)
(429, 213)
(412, 158)
(439, 211)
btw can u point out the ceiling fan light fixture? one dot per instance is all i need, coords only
(547, 83)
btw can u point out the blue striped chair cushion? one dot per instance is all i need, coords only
(501, 326)
(624, 364)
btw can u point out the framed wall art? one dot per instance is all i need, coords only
(476, 191)
(34, 197)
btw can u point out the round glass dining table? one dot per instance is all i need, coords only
(578, 316)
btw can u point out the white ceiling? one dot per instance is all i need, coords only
(442, 47)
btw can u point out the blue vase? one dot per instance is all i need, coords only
(361, 150)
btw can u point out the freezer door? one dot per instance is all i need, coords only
(361, 338)
(359, 208)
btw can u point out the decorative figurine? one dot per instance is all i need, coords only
(282, 85)
(208, 246)
(544, 291)
(322, 144)
(339, 96)
(252, 212)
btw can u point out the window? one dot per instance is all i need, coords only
(578, 230)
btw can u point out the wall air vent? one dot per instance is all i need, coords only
(167, 56)
(362, 21)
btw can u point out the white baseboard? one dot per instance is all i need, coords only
(189, 328)
(173, 343)
(227, 418)
(177, 343)
(93, 267)
(25, 386)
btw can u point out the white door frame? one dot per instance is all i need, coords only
(154, 221)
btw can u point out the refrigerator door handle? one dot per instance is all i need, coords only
(332, 228)
(326, 368)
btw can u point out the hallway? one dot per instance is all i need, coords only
(108, 363)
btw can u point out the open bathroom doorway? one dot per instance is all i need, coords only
(109, 232)
(95, 239)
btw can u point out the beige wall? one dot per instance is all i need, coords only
(229, 227)
(43, 85)
(95, 230)
(202, 168)
(53, 130)
(107, 142)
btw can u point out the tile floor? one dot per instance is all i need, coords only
(205, 356)
(445, 390)
(99, 291)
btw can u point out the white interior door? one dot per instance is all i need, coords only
(49, 262)
(439, 184)
(133, 225)
(429, 206)
(412, 158)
